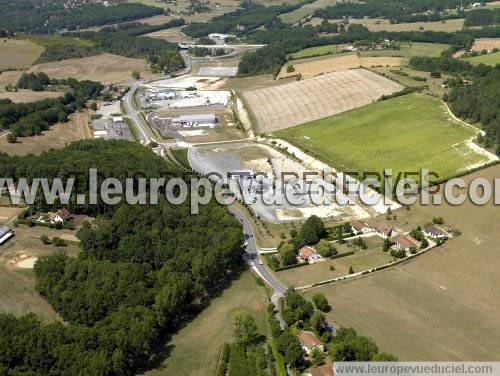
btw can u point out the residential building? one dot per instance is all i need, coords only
(435, 232)
(385, 230)
(309, 254)
(405, 242)
(5, 234)
(360, 227)
(309, 342)
(60, 216)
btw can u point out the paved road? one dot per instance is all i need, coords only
(128, 104)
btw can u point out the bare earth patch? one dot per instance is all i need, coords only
(285, 106)
(58, 136)
(23, 96)
(7, 213)
(106, 68)
(336, 64)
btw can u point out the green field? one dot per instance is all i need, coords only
(194, 350)
(488, 59)
(407, 50)
(18, 54)
(406, 133)
(305, 10)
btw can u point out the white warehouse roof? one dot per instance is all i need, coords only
(205, 118)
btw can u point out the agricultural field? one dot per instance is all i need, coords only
(487, 44)
(56, 137)
(18, 54)
(284, 106)
(24, 95)
(361, 260)
(407, 50)
(173, 35)
(440, 306)
(193, 351)
(17, 290)
(488, 59)
(406, 134)
(318, 67)
(307, 9)
(448, 26)
(106, 68)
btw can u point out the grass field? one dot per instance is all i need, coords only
(441, 306)
(405, 133)
(195, 348)
(305, 10)
(18, 54)
(56, 137)
(17, 292)
(488, 59)
(488, 44)
(106, 68)
(23, 96)
(448, 26)
(294, 103)
(407, 50)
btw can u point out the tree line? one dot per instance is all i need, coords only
(483, 17)
(143, 271)
(32, 16)
(29, 119)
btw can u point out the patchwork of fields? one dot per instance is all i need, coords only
(284, 106)
(448, 26)
(317, 67)
(406, 133)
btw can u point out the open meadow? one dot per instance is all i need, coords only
(316, 67)
(488, 59)
(18, 54)
(194, 349)
(405, 133)
(284, 106)
(440, 306)
(106, 68)
(487, 44)
(24, 95)
(447, 26)
(305, 10)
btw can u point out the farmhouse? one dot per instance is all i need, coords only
(360, 227)
(435, 232)
(405, 242)
(310, 255)
(5, 234)
(385, 230)
(195, 120)
(309, 342)
(60, 216)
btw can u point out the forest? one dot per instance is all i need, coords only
(483, 17)
(31, 16)
(150, 268)
(29, 119)
(397, 11)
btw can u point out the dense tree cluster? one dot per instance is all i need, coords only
(28, 119)
(142, 272)
(45, 17)
(347, 346)
(483, 17)
(395, 10)
(136, 28)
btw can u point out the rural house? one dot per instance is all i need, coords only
(385, 231)
(360, 227)
(435, 232)
(5, 234)
(309, 342)
(309, 254)
(405, 242)
(60, 216)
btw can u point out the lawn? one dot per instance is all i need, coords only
(406, 133)
(18, 54)
(407, 50)
(195, 348)
(441, 306)
(488, 59)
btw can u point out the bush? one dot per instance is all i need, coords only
(321, 302)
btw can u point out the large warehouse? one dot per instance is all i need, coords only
(195, 120)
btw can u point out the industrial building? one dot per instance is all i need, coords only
(5, 234)
(203, 120)
(112, 128)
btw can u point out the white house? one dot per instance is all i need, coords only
(60, 216)
(435, 232)
(360, 227)
(309, 342)
(405, 243)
